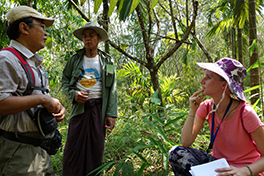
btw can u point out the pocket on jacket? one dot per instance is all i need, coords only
(110, 70)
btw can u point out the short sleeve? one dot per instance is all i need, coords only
(10, 76)
(250, 119)
(204, 109)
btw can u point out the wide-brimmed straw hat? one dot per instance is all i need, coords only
(20, 12)
(232, 71)
(100, 31)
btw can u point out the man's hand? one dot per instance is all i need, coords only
(60, 116)
(52, 104)
(111, 121)
(81, 97)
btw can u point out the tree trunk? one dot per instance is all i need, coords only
(234, 43)
(254, 73)
(240, 47)
(206, 53)
(105, 22)
(29, 3)
(155, 81)
(80, 12)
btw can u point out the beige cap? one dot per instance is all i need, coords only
(19, 12)
(100, 31)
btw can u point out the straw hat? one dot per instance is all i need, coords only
(100, 31)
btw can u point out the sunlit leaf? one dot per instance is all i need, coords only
(82, 2)
(252, 47)
(155, 97)
(163, 135)
(124, 13)
(97, 4)
(48, 42)
(103, 167)
(127, 169)
(140, 156)
(121, 2)
(256, 64)
(162, 149)
(153, 3)
(118, 167)
(140, 171)
(165, 161)
(252, 88)
(112, 7)
(134, 5)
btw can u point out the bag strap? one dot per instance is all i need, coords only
(241, 112)
(29, 72)
(25, 65)
(31, 81)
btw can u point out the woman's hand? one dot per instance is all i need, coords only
(234, 171)
(195, 100)
(193, 123)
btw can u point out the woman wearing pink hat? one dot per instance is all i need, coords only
(237, 133)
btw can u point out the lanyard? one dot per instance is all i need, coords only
(213, 135)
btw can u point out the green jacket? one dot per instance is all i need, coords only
(72, 71)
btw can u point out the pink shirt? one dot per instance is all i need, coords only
(232, 141)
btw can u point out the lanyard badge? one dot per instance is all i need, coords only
(213, 135)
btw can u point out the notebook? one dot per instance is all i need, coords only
(208, 169)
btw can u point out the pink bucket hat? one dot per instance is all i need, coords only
(232, 71)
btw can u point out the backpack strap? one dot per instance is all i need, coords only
(31, 81)
(29, 72)
(249, 135)
(241, 112)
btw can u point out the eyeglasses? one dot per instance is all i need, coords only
(41, 25)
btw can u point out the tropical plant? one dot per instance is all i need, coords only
(254, 73)
(149, 18)
(157, 137)
(233, 18)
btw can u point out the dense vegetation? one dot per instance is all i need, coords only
(145, 131)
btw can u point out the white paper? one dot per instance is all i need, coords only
(208, 169)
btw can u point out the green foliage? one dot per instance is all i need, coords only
(171, 92)
(135, 83)
(258, 64)
(97, 4)
(125, 10)
(155, 97)
(112, 7)
(57, 159)
(4, 40)
(253, 47)
(143, 135)
(125, 7)
(143, 138)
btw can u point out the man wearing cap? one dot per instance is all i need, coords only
(89, 82)
(26, 30)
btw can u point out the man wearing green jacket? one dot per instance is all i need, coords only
(89, 82)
